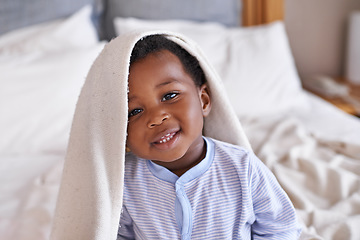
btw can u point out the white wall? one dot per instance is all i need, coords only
(317, 31)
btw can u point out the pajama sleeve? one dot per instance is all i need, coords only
(126, 230)
(274, 212)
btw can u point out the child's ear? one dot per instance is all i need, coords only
(127, 149)
(205, 99)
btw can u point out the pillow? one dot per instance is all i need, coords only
(38, 98)
(27, 43)
(255, 63)
(223, 11)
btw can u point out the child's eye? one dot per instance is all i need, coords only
(134, 112)
(169, 96)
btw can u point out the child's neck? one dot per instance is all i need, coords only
(179, 172)
(181, 166)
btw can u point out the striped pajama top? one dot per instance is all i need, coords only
(230, 194)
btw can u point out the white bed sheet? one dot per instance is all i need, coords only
(325, 123)
(315, 155)
(28, 194)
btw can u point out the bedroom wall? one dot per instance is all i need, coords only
(317, 31)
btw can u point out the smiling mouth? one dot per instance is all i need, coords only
(167, 141)
(166, 138)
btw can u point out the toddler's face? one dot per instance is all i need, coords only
(166, 110)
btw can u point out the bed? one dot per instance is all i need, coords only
(312, 147)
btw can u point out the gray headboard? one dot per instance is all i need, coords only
(20, 13)
(226, 12)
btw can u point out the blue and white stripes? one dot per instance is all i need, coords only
(229, 195)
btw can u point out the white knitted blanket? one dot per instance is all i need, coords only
(90, 197)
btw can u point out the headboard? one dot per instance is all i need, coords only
(18, 13)
(228, 12)
(256, 12)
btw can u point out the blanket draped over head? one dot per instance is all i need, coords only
(90, 196)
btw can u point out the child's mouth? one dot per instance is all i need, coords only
(167, 137)
(166, 142)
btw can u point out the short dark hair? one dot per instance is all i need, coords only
(157, 42)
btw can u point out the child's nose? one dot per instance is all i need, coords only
(157, 119)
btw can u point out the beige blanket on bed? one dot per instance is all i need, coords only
(90, 197)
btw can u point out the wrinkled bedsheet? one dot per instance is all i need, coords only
(322, 177)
